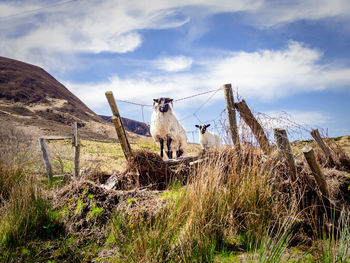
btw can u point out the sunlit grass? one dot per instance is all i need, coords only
(102, 156)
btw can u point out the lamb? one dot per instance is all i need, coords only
(166, 127)
(208, 139)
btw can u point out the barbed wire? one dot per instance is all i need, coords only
(194, 114)
(36, 10)
(199, 94)
(175, 100)
(221, 126)
(135, 103)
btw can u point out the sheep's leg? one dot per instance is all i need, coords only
(161, 142)
(168, 144)
(179, 152)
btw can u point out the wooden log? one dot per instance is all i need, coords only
(81, 138)
(315, 169)
(181, 160)
(231, 115)
(97, 140)
(327, 152)
(46, 158)
(119, 127)
(254, 125)
(57, 138)
(285, 149)
(76, 145)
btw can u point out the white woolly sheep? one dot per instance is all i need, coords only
(208, 139)
(166, 127)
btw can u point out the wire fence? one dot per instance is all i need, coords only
(219, 124)
(36, 10)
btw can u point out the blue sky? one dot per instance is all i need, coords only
(281, 56)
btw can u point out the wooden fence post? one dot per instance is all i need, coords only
(315, 169)
(76, 145)
(327, 152)
(284, 147)
(254, 125)
(231, 115)
(46, 158)
(119, 127)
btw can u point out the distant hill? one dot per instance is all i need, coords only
(137, 127)
(33, 99)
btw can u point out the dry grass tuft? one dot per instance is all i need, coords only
(148, 168)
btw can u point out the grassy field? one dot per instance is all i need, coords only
(223, 214)
(101, 156)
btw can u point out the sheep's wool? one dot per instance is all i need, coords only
(166, 124)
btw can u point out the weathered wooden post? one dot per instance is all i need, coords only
(76, 145)
(46, 158)
(327, 152)
(119, 127)
(231, 115)
(254, 125)
(315, 169)
(284, 147)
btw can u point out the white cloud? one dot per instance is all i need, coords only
(94, 26)
(142, 89)
(173, 64)
(281, 12)
(274, 73)
(114, 26)
(267, 74)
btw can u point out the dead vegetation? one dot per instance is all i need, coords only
(214, 205)
(262, 181)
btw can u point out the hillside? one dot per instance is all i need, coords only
(34, 100)
(131, 125)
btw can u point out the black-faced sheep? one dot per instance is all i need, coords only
(208, 139)
(166, 128)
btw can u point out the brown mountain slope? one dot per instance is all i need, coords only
(30, 85)
(132, 125)
(33, 99)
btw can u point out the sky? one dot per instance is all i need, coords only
(285, 58)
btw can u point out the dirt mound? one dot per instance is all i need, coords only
(149, 169)
(87, 207)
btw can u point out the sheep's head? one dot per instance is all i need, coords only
(162, 104)
(202, 127)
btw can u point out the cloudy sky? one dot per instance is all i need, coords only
(280, 56)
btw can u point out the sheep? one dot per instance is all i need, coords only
(166, 127)
(208, 139)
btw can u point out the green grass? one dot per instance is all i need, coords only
(221, 216)
(26, 214)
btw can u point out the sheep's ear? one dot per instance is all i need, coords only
(207, 125)
(197, 126)
(155, 101)
(169, 101)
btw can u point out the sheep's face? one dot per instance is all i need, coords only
(202, 128)
(162, 104)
